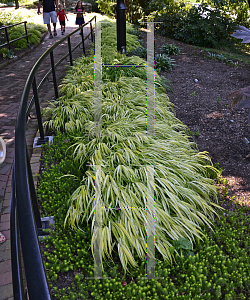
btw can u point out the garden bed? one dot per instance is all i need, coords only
(218, 268)
(203, 106)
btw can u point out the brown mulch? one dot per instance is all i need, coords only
(203, 106)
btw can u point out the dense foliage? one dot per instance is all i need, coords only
(184, 194)
(219, 268)
(209, 24)
(202, 25)
(238, 9)
(18, 31)
(16, 16)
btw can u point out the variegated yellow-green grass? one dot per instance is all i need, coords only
(184, 195)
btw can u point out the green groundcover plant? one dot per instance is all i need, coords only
(184, 194)
(18, 31)
(17, 16)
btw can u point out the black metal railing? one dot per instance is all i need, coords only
(5, 28)
(25, 219)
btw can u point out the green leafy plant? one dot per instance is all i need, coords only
(184, 245)
(140, 51)
(12, 16)
(109, 41)
(238, 9)
(136, 9)
(221, 57)
(170, 49)
(169, 13)
(164, 62)
(19, 31)
(203, 26)
(6, 53)
(197, 25)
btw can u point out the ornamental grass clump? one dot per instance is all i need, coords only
(218, 269)
(122, 155)
(109, 41)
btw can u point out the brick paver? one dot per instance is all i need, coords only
(13, 78)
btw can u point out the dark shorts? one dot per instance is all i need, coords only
(62, 23)
(80, 21)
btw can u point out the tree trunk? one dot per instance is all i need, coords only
(17, 4)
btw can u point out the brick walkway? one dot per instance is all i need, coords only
(13, 78)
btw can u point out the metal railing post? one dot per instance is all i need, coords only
(33, 194)
(16, 266)
(34, 269)
(7, 37)
(26, 32)
(70, 52)
(121, 26)
(38, 112)
(54, 73)
(91, 30)
(83, 45)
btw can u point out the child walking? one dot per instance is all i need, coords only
(61, 16)
(79, 10)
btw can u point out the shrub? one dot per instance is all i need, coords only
(123, 151)
(109, 41)
(140, 51)
(237, 9)
(170, 15)
(164, 62)
(6, 53)
(18, 31)
(201, 26)
(204, 26)
(218, 268)
(170, 49)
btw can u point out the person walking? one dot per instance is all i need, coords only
(61, 16)
(79, 11)
(49, 14)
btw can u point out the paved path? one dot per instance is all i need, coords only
(12, 82)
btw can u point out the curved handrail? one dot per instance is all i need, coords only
(25, 215)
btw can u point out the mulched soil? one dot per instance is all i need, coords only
(203, 106)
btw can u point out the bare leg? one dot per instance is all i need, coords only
(49, 29)
(54, 24)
